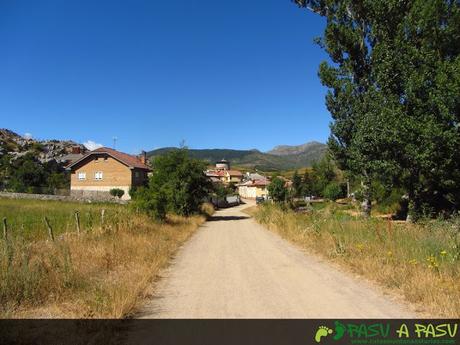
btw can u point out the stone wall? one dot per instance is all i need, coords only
(102, 197)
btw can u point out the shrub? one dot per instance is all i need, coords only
(333, 191)
(207, 209)
(117, 192)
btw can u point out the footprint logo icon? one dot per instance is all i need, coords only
(322, 331)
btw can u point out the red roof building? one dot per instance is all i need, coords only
(103, 169)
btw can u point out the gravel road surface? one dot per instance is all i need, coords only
(234, 268)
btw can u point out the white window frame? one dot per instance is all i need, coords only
(98, 175)
(81, 176)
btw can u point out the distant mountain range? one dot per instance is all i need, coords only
(283, 157)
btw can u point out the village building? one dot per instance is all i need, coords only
(254, 188)
(223, 174)
(103, 169)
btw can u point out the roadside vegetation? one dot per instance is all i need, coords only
(63, 259)
(322, 180)
(418, 261)
(102, 270)
(392, 78)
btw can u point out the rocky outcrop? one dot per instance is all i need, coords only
(61, 151)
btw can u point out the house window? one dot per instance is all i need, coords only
(136, 174)
(82, 176)
(98, 175)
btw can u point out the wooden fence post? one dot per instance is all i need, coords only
(8, 245)
(77, 221)
(5, 230)
(390, 231)
(102, 217)
(50, 229)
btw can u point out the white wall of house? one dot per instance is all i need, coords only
(251, 192)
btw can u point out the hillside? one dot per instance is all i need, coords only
(280, 158)
(45, 151)
(35, 166)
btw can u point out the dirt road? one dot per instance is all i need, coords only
(234, 268)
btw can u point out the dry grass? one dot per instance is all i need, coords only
(103, 272)
(419, 262)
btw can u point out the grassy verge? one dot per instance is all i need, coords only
(420, 262)
(101, 272)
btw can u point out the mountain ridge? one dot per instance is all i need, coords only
(282, 150)
(281, 157)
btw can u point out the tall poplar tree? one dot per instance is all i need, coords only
(394, 93)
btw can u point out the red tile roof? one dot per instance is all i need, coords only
(256, 183)
(234, 173)
(219, 172)
(224, 172)
(127, 159)
(260, 183)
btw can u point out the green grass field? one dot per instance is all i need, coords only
(25, 218)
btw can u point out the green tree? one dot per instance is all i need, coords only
(296, 184)
(277, 190)
(323, 173)
(333, 191)
(57, 180)
(56, 176)
(177, 184)
(347, 41)
(154, 204)
(26, 174)
(307, 183)
(222, 190)
(393, 93)
(422, 48)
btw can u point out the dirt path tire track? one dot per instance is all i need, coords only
(234, 268)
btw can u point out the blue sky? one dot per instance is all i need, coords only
(218, 74)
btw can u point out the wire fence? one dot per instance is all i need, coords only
(39, 226)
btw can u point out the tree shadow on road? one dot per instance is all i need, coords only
(226, 218)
